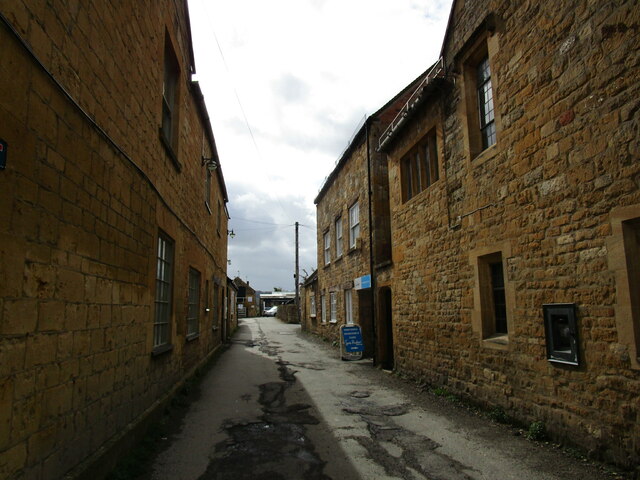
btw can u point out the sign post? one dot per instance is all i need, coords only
(351, 345)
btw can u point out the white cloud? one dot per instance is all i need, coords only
(306, 72)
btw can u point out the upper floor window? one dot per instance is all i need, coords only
(339, 237)
(207, 190)
(478, 90)
(419, 167)
(327, 248)
(485, 104)
(171, 75)
(354, 224)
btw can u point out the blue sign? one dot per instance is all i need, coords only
(362, 282)
(3, 154)
(352, 338)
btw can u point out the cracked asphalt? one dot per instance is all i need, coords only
(279, 404)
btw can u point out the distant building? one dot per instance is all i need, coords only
(248, 301)
(354, 196)
(276, 298)
(308, 302)
(113, 227)
(232, 309)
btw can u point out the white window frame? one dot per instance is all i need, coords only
(339, 237)
(323, 306)
(354, 224)
(327, 248)
(193, 305)
(333, 298)
(348, 306)
(164, 288)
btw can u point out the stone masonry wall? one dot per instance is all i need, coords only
(347, 188)
(566, 83)
(79, 224)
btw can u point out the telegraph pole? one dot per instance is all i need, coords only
(296, 276)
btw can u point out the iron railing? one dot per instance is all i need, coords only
(436, 71)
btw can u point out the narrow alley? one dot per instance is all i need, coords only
(279, 404)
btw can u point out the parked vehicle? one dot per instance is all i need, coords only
(271, 311)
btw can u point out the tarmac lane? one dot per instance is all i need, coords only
(279, 404)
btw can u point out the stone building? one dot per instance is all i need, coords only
(354, 196)
(247, 299)
(113, 229)
(514, 180)
(308, 307)
(231, 316)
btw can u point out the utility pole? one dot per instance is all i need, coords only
(296, 276)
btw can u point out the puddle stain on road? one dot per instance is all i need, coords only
(275, 447)
(394, 448)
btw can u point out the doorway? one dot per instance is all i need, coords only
(385, 329)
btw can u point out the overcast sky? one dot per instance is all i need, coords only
(287, 83)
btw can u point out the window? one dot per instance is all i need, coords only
(323, 308)
(493, 301)
(193, 310)
(333, 296)
(216, 306)
(339, 237)
(623, 248)
(207, 190)
(219, 217)
(169, 96)
(164, 281)
(419, 167)
(478, 91)
(327, 248)
(499, 299)
(313, 305)
(631, 233)
(348, 307)
(485, 104)
(354, 224)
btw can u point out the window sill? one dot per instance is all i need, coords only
(327, 265)
(161, 349)
(192, 336)
(333, 321)
(169, 149)
(485, 155)
(497, 342)
(208, 207)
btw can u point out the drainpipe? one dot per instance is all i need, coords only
(371, 267)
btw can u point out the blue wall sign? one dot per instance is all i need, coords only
(363, 282)
(3, 154)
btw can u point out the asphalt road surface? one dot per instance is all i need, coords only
(281, 405)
